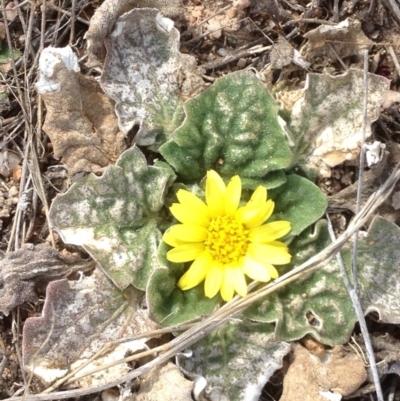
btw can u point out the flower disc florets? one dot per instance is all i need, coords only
(226, 241)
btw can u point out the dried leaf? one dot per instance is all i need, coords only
(372, 179)
(310, 378)
(141, 75)
(283, 53)
(164, 383)
(80, 119)
(390, 98)
(78, 319)
(102, 22)
(3, 33)
(9, 197)
(325, 118)
(22, 270)
(396, 200)
(344, 39)
(379, 265)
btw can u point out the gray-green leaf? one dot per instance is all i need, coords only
(231, 127)
(115, 217)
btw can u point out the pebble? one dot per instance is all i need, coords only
(222, 52)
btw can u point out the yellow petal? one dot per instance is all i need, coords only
(185, 253)
(274, 252)
(197, 271)
(171, 240)
(215, 193)
(259, 196)
(193, 203)
(186, 216)
(255, 270)
(213, 280)
(235, 276)
(269, 232)
(270, 269)
(254, 216)
(227, 291)
(189, 233)
(232, 195)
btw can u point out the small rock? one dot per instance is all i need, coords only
(222, 52)
(396, 200)
(242, 63)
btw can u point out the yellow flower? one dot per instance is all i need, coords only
(226, 241)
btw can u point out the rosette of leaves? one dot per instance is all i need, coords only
(233, 128)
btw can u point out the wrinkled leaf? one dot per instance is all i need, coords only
(271, 180)
(23, 270)
(237, 360)
(141, 74)
(80, 119)
(103, 21)
(317, 304)
(325, 118)
(114, 217)
(231, 127)
(78, 319)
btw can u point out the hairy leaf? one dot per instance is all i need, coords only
(115, 217)
(231, 127)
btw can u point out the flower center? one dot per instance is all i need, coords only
(227, 239)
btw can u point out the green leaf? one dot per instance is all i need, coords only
(168, 304)
(115, 217)
(273, 179)
(231, 127)
(317, 304)
(237, 360)
(298, 201)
